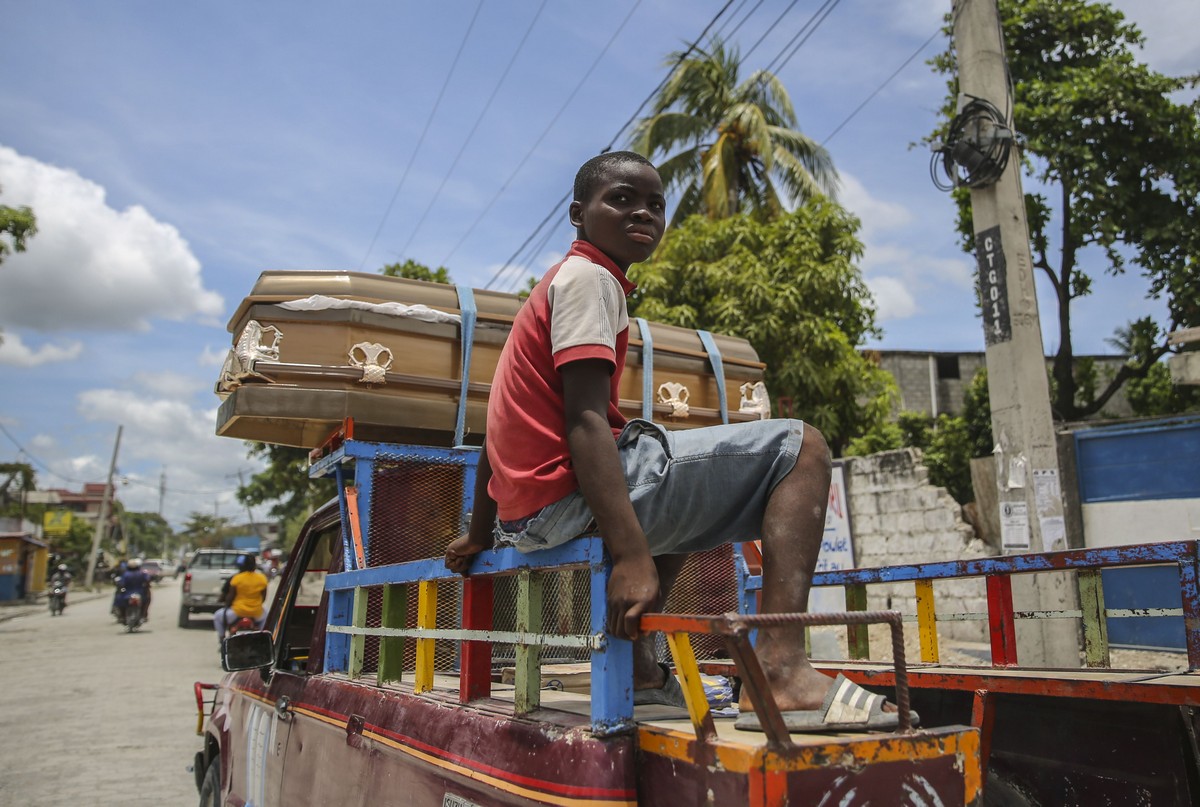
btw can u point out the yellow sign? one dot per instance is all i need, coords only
(56, 522)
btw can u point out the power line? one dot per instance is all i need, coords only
(557, 208)
(412, 158)
(878, 89)
(445, 261)
(478, 120)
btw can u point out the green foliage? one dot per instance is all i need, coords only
(792, 289)
(1156, 396)
(18, 224)
(885, 436)
(148, 533)
(15, 477)
(206, 531)
(948, 443)
(284, 483)
(735, 144)
(1116, 154)
(977, 413)
(417, 271)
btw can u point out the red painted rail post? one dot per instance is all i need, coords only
(475, 675)
(1000, 620)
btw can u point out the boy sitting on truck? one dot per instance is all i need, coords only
(560, 460)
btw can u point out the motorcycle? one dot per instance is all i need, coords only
(134, 614)
(58, 598)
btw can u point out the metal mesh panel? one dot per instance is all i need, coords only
(566, 611)
(707, 584)
(416, 510)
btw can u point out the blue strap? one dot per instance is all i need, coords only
(466, 307)
(714, 358)
(647, 369)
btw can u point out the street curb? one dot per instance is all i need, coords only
(8, 612)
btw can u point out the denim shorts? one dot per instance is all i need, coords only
(692, 489)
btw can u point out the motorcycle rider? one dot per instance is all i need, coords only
(244, 598)
(134, 580)
(61, 576)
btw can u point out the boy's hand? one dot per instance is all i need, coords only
(461, 552)
(632, 591)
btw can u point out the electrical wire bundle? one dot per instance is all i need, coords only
(976, 149)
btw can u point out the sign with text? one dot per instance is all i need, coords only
(993, 287)
(56, 522)
(837, 546)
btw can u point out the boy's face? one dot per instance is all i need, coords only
(626, 214)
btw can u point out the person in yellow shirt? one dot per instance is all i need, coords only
(245, 597)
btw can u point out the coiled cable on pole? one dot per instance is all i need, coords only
(975, 152)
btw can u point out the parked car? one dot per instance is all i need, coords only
(154, 568)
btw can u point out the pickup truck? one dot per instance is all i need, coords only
(204, 580)
(381, 679)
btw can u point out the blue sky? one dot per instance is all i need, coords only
(173, 151)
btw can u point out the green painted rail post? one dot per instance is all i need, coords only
(391, 648)
(528, 677)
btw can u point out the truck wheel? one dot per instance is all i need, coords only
(210, 788)
(185, 618)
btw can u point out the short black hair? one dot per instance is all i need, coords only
(594, 170)
(247, 563)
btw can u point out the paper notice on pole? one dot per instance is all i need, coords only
(1054, 533)
(1016, 472)
(1046, 491)
(1014, 525)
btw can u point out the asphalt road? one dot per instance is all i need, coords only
(91, 715)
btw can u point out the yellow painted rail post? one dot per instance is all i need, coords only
(927, 622)
(1095, 626)
(391, 648)
(528, 674)
(426, 618)
(858, 641)
(358, 619)
(693, 687)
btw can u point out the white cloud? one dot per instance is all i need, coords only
(91, 266)
(212, 357)
(170, 385)
(14, 351)
(892, 298)
(877, 215)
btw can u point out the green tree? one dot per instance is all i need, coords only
(284, 483)
(735, 144)
(948, 444)
(417, 271)
(15, 478)
(792, 289)
(148, 533)
(18, 224)
(204, 530)
(1116, 157)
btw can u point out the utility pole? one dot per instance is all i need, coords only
(104, 504)
(162, 494)
(1027, 474)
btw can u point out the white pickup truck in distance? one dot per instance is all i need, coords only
(204, 581)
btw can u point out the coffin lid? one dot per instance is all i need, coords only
(277, 286)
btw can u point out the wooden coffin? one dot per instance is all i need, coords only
(393, 363)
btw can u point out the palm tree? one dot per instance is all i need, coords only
(739, 145)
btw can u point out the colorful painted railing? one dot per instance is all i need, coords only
(998, 573)
(353, 464)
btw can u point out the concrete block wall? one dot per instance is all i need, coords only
(896, 517)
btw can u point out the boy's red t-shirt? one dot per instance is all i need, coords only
(577, 311)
